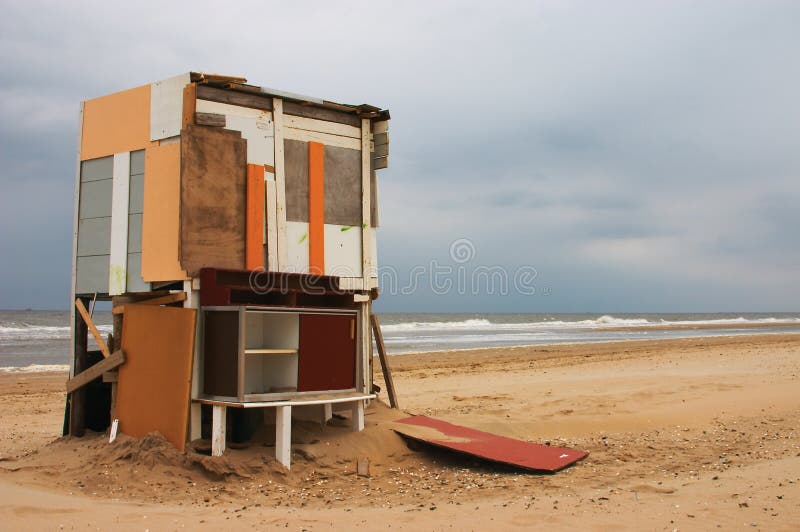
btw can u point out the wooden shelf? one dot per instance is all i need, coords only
(270, 351)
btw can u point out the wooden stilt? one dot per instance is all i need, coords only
(77, 409)
(283, 435)
(387, 373)
(358, 416)
(89, 323)
(218, 429)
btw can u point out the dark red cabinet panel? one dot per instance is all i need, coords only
(327, 357)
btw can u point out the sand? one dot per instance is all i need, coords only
(683, 434)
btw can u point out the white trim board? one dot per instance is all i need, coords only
(324, 138)
(120, 194)
(322, 126)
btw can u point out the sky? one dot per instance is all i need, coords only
(597, 156)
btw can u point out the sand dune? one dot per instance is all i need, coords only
(685, 434)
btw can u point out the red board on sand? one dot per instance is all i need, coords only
(518, 453)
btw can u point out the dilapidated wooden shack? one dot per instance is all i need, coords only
(233, 228)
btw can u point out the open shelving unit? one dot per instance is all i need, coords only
(266, 353)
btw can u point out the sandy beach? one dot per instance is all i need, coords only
(689, 434)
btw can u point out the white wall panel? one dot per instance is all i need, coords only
(166, 107)
(343, 251)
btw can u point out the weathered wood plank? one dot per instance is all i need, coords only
(387, 372)
(322, 126)
(212, 205)
(329, 115)
(280, 186)
(93, 372)
(209, 119)
(366, 232)
(244, 99)
(90, 324)
(324, 138)
(163, 300)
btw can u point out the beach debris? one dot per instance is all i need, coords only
(362, 467)
(114, 428)
(486, 446)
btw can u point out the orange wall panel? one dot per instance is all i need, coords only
(161, 218)
(254, 248)
(316, 208)
(116, 123)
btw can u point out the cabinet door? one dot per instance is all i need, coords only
(327, 357)
(221, 353)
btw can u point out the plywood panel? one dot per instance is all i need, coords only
(116, 123)
(213, 199)
(316, 208)
(137, 162)
(343, 251)
(296, 178)
(342, 186)
(91, 274)
(161, 218)
(97, 169)
(134, 233)
(94, 236)
(297, 248)
(255, 125)
(491, 447)
(255, 217)
(154, 383)
(134, 271)
(95, 199)
(166, 106)
(327, 352)
(136, 194)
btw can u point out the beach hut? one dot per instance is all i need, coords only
(233, 228)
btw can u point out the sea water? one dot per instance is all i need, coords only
(37, 340)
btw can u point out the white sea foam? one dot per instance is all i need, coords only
(24, 331)
(35, 368)
(601, 322)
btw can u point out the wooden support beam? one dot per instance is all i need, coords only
(93, 372)
(218, 423)
(77, 407)
(89, 323)
(163, 300)
(283, 435)
(387, 373)
(358, 416)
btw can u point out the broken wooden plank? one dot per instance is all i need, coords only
(90, 324)
(387, 373)
(163, 300)
(93, 372)
(210, 119)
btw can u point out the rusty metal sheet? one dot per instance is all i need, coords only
(491, 447)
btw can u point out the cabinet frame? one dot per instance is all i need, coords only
(241, 355)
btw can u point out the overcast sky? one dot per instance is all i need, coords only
(641, 156)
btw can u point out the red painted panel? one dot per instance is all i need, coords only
(518, 453)
(327, 355)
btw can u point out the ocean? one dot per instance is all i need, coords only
(36, 340)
